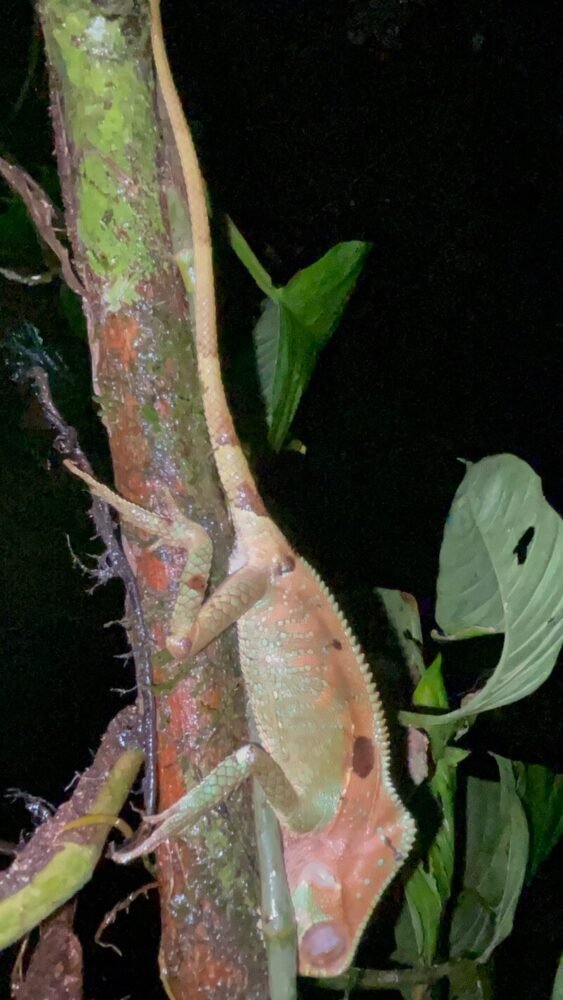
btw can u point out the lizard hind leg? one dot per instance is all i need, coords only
(174, 529)
(248, 761)
(177, 531)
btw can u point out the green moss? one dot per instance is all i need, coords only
(150, 416)
(108, 95)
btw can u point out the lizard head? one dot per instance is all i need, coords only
(337, 876)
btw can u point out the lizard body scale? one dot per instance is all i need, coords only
(323, 758)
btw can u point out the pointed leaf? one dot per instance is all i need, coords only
(417, 929)
(443, 785)
(495, 865)
(501, 569)
(296, 323)
(430, 691)
(250, 261)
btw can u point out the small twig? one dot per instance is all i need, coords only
(43, 213)
(386, 979)
(66, 443)
(17, 971)
(111, 916)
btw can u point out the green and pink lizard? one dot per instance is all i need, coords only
(323, 757)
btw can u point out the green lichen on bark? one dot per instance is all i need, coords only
(111, 126)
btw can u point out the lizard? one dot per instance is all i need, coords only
(323, 759)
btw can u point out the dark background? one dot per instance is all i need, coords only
(433, 129)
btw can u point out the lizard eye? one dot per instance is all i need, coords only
(323, 944)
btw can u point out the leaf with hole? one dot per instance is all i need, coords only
(501, 570)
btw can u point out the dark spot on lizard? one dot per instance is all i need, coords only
(363, 756)
(197, 583)
(520, 550)
(286, 565)
(336, 644)
(249, 499)
(226, 437)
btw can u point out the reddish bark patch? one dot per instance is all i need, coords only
(363, 756)
(153, 571)
(118, 337)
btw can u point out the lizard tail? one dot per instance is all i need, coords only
(234, 472)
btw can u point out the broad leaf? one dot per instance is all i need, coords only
(495, 865)
(296, 323)
(541, 793)
(501, 571)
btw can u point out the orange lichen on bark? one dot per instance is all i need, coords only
(118, 336)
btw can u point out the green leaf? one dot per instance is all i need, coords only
(428, 890)
(501, 570)
(296, 322)
(557, 993)
(403, 614)
(495, 865)
(541, 793)
(443, 785)
(430, 692)
(250, 261)
(417, 929)
(469, 981)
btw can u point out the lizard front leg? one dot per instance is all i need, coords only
(249, 761)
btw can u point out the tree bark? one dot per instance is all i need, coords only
(122, 196)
